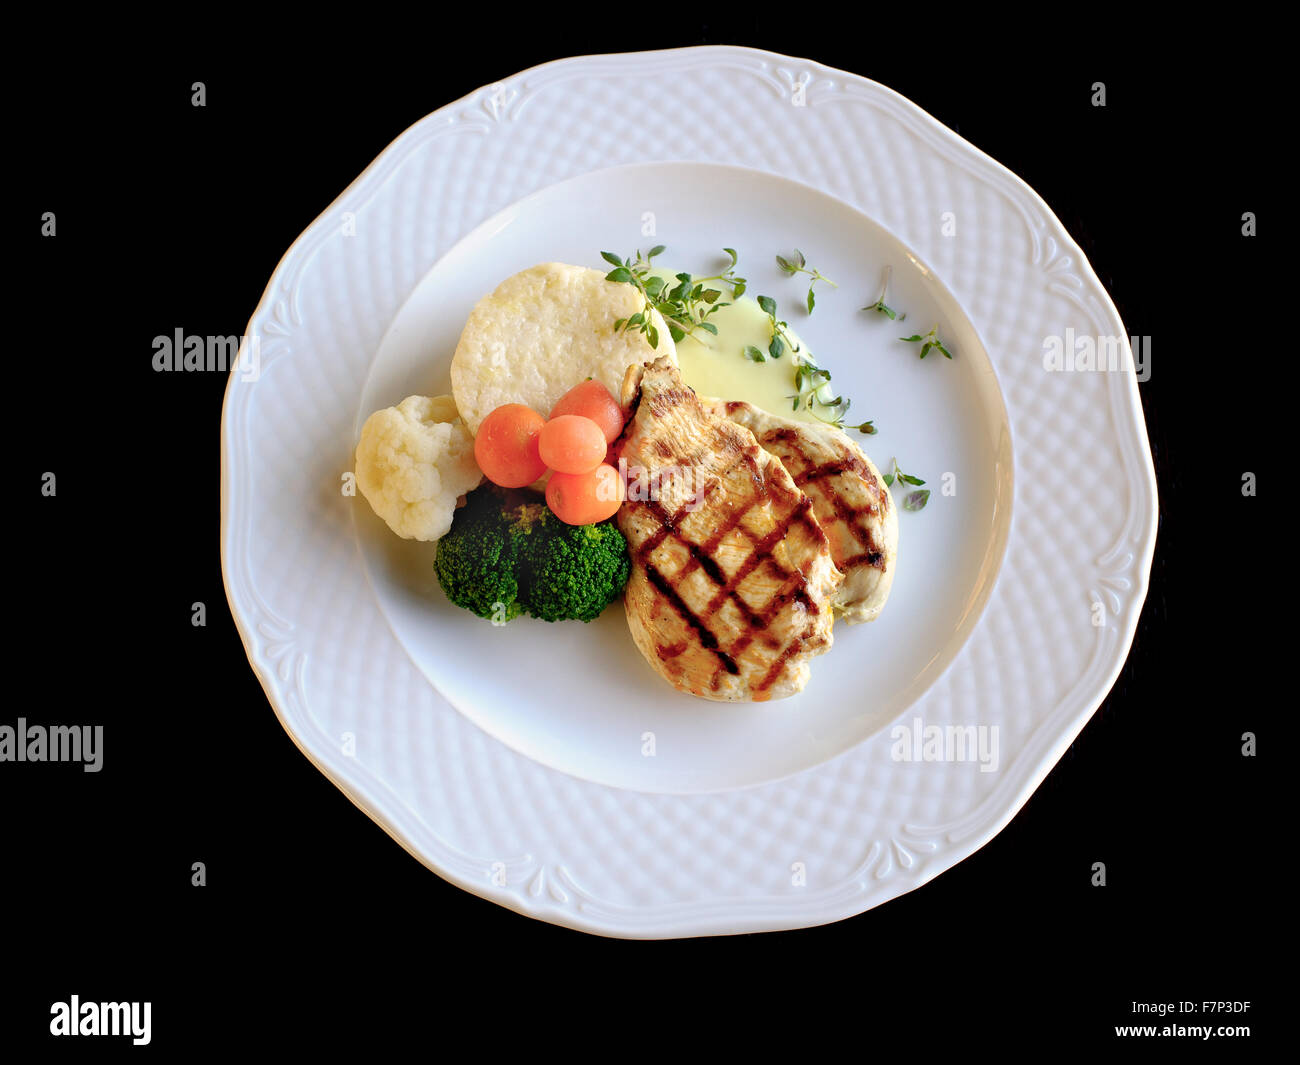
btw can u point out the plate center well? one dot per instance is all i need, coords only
(580, 698)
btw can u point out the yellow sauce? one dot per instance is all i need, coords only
(716, 366)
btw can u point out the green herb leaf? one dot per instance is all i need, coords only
(914, 500)
(685, 307)
(768, 304)
(880, 306)
(928, 340)
(611, 258)
(799, 265)
(755, 354)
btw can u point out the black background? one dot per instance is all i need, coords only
(315, 928)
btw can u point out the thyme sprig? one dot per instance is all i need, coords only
(780, 339)
(927, 341)
(685, 306)
(810, 380)
(913, 500)
(880, 306)
(799, 265)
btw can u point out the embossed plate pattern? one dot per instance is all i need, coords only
(863, 827)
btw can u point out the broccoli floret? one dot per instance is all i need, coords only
(476, 562)
(571, 571)
(506, 548)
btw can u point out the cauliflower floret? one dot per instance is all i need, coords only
(413, 462)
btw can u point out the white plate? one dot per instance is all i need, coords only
(788, 814)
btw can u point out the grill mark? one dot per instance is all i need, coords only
(750, 456)
(850, 515)
(742, 644)
(702, 554)
(702, 557)
(847, 513)
(762, 552)
(794, 588)
(775, 606)
(707, 639)
(783, 436)
(833, 469)
(664, 400)
(774, 671)
(667, 526)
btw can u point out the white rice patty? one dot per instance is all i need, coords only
(543, 331)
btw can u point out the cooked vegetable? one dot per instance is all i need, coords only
(413, 461)
(572, 443)
(476, 564)
(571, 571)
(507, 554)
(506, 446)
(584, 498)
(593, 400)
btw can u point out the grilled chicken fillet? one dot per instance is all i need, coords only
(732, 578)
(850, 500)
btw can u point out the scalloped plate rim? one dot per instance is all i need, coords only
(362, 793)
